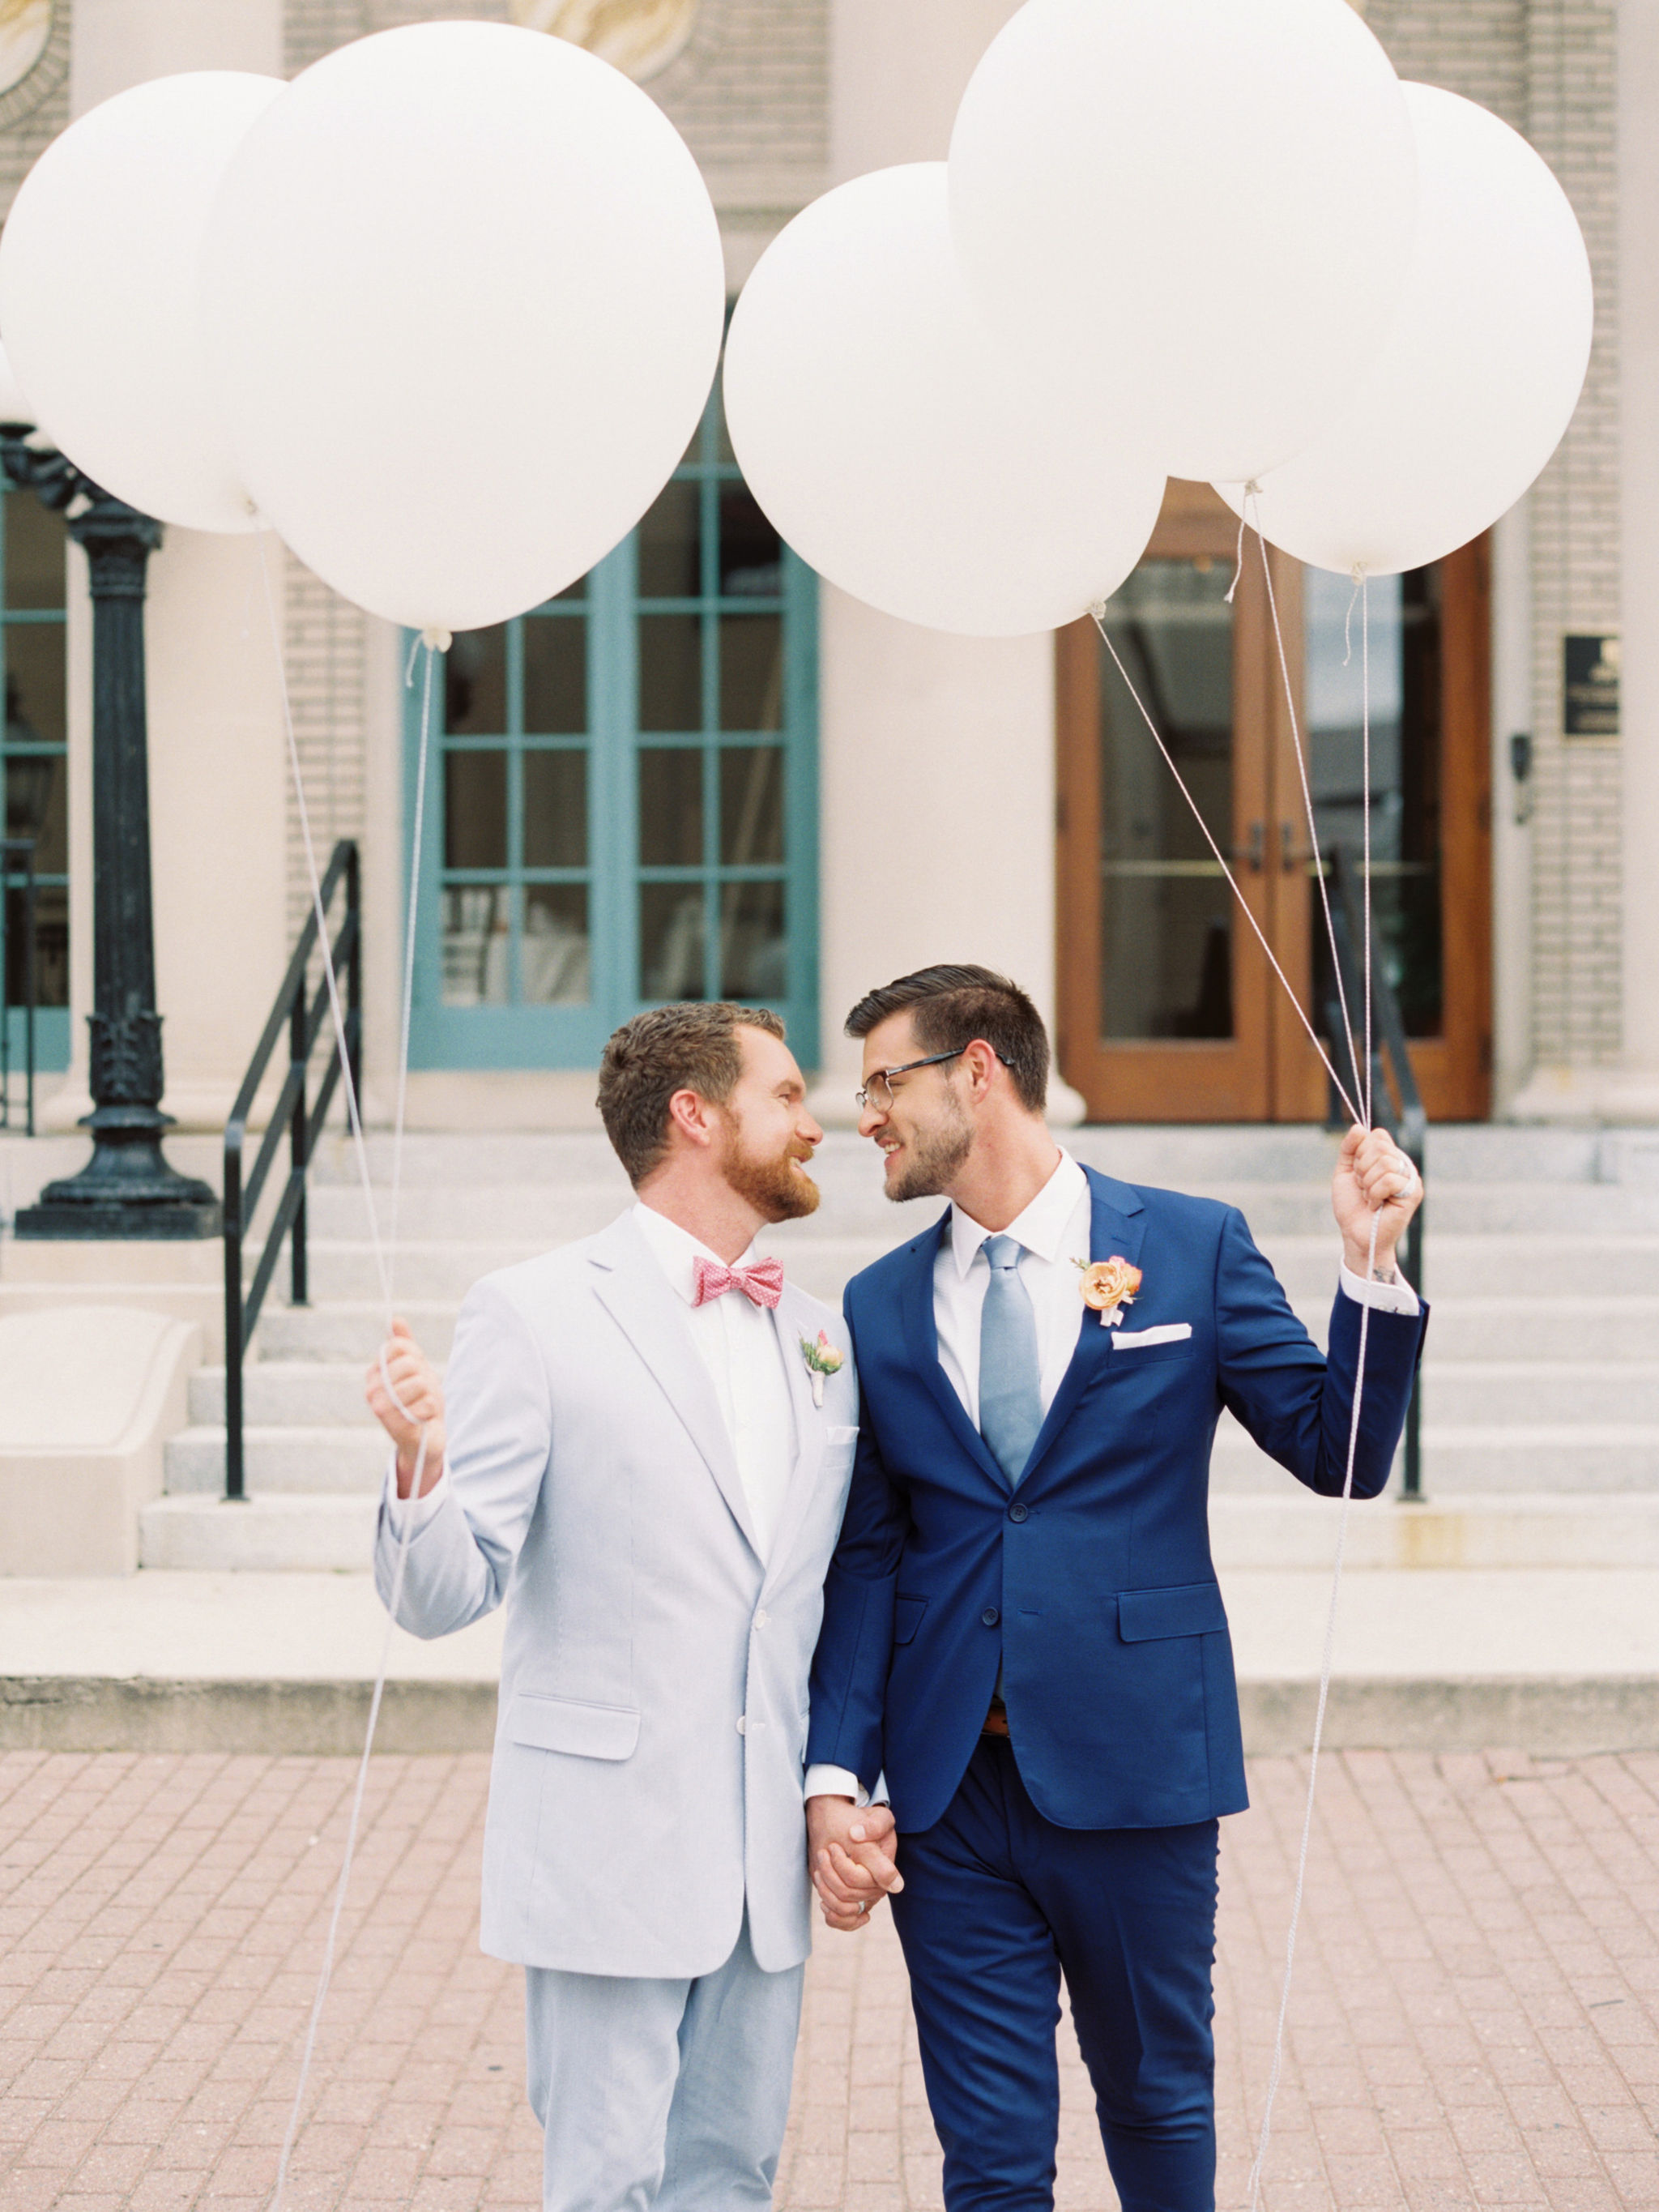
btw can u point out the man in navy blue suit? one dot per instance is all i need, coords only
(1023, 1645)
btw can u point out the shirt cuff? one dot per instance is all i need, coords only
(1396, 1298)
(420, 1510)
(842, 1782)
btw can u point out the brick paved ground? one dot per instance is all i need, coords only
(1476, 2020)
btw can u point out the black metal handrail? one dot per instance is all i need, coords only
(17, 873)
(1396, 1102)
(303, 1013)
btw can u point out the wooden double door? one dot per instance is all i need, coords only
(1169, 1010)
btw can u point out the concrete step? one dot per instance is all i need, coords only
(1179, 1156)
(351, 1330)
(1529, 1529)
(540, 1215)
(277, 1533)
(1491, 1460)
(267, 1533)
(285, 1393)
(821, 1262)
(1560, 1393)
(317, 1461)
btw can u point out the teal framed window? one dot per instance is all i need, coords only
(35, 762)
(621, 795)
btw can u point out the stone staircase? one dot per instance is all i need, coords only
(1541, 1386)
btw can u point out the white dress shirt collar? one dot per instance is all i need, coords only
(676, 1251)
(1042, 1228)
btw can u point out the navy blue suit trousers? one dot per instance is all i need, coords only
(999, 1903)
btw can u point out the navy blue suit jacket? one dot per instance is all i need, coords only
(1091, 1582)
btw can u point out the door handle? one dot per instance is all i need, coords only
(1288, 859)
(1255, 855)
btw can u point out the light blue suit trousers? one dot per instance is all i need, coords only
(662, 2095)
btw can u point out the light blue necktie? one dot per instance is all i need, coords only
(1010, 1394)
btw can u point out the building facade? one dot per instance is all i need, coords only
(704, 771)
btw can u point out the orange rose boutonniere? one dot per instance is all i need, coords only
(1107, 1286)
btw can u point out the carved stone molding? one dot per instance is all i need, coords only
(639, 36)
(33, 56)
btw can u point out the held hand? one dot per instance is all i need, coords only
(1373, 1178)
(416, 1383)
(849, 1853)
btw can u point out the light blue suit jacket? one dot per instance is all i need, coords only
(648, 1752)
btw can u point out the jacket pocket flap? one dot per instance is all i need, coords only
(566, 1725)
(1189, 1609)
(907, 1618)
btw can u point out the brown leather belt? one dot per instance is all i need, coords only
(996, 1721)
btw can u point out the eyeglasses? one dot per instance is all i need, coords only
(877, 1095)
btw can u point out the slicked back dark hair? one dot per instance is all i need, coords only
(693, 1045)
(949, 1007)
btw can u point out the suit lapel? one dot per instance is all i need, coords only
(1116, 1226)
(652, 1315)
(921, 1342)
(794, 1319)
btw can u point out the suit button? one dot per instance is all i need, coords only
(743, 1723)
(762, 1618)
(990, 1616)
(1019, 1512)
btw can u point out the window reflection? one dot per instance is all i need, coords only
(475, 810)
(671, 806)
(754, 946)
(554, 958)
(476, 945)
(752, 805)
(671, 672)
(1404, 647)
(751, 672)
(475, 684)
(671, 941)
(556, 808)
(1165, 909)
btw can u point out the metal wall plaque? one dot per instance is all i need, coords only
(1589, 685)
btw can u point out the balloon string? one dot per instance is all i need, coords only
(1326, 1667)
(436, 642)
(1251, 490)
(1252, 507)
(1097, 613)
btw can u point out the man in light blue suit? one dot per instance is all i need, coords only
(643, 1445)
(1023, 1631)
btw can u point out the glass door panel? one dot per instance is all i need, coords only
(1165, 909)
(1163, 1013)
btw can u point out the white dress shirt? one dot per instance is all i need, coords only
(738, 1342)
(1055, 1230)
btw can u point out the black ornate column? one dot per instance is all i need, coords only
(127, 1188)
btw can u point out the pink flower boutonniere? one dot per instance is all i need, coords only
(1107, 1286)
(822, 1359)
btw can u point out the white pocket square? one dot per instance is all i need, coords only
(1170, 1332)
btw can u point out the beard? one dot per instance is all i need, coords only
(935, 1154)
(773, 1184)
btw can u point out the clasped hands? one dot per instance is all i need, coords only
(849, 1855)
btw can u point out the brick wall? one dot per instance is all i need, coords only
(1547, 66)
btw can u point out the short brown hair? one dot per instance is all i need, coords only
(693, 1045)
(949, 1007)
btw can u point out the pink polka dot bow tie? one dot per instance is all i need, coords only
(762, 1283)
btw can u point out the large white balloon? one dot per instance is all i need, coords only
(1479, 376)
(1202, 207)
(462, 290)
(98, 280)
(893, 447)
